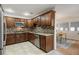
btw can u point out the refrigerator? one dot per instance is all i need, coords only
(1, 32)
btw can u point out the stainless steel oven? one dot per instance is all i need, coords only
(37, 41)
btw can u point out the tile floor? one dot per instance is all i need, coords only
(27, 48)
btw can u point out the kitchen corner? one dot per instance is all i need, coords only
(39, 34)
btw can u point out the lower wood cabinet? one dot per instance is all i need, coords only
(26, 36)
(16, 38)
(47, 43)
(10, 39)
(20, 38)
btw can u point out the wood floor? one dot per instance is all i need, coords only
(72, 50)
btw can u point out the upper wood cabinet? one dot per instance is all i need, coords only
(34, 20)
(43, 20)
(10, 22)
(30, 23)
(48, 18)
(20, 20)
(37, 21)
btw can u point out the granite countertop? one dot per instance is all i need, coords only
(44, 34)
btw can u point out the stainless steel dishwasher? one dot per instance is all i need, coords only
(37, 41)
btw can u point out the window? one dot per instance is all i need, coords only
(77, 28)
(64, 26)
(72, 29)
(61, 29)
(75, 25)
(66, 29)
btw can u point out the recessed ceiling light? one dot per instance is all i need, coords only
(27, 14)
(9, 10)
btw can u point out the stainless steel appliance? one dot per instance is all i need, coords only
(1, 32)
(37, 41)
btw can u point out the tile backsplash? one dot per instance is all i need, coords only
(44, 30)
(36, 29)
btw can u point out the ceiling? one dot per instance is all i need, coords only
(62, 10)
(20, 9)
(67, 10)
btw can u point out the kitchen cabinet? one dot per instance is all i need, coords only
(46, 43)
(10, 22)
(29, 23)
(34, 20)
(16, 38)
(47, 19)
(43, 18)
(20, 20)
(31, 38)
(37, 20)
(10, 39)
(17, 20)
(26, 23)
(20, 37)
(26, 37)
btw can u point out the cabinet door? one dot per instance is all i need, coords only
(48, 19)
(17, 20)
(10, 39)
(30, 23)
(22, 20)
(26, 23)
(22, 37)
(31, 37)
(19, 38)
(10, 22)
(43, 43)
(26, 36)
(49, 43)
(38, 20)
(34, 20)
(42, 20)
